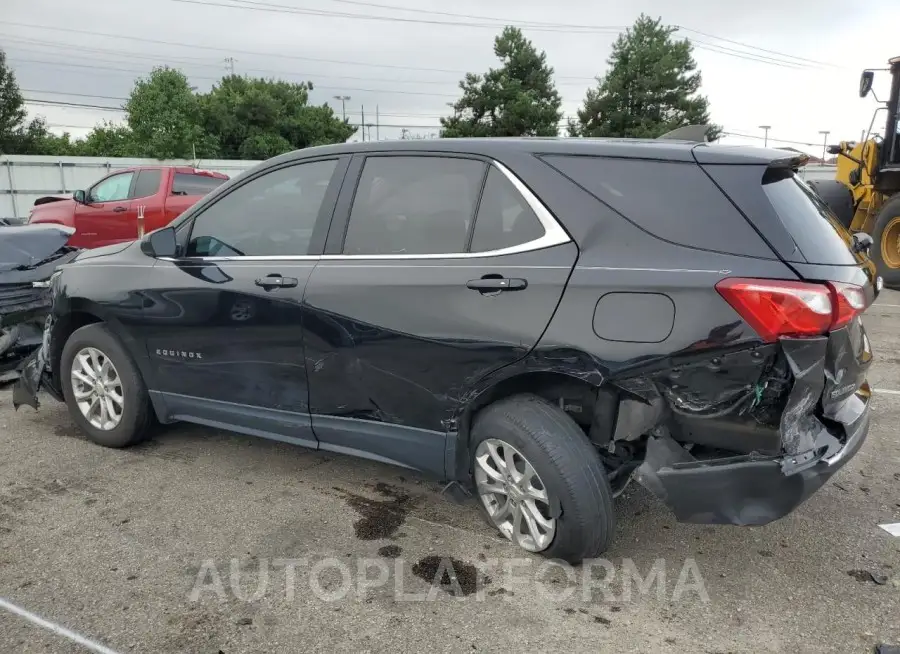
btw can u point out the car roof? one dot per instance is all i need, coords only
(653, 149)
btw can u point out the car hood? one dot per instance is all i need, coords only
(104, 251)
(22, 246)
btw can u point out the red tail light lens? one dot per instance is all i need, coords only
(850, 301)
(776, 308)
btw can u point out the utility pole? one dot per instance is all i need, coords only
(343, 99)
(362, 122)
(765, 129)
(229, 64)
(377, 125)
(824, 133)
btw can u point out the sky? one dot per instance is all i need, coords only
(790, 64)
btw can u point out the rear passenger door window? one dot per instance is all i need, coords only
(272, 215)
(409, 205)
(147, 183)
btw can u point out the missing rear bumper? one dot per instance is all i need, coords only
(748, 489)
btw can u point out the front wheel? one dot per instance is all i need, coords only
(886, 248)
(103, 388)
(540, 481)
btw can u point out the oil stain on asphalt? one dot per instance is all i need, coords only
(456, 577)
(379, 519)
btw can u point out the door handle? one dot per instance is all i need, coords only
(495, 284)
(276, 281)
(120, 209)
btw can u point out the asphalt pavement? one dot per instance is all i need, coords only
(203, 541)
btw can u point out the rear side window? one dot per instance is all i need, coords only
(814, 227)
(189, 184)
(413, 205)
(504, 219)
(674, 201)
(147, 183)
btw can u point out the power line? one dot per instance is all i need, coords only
(754, 47)
(55, 103)
(252, 5)
(701, 45)
(285, 73)
(286, 9)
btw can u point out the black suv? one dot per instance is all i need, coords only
(536, 321)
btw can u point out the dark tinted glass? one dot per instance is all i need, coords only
(413, 205)
(504, 219)
(188, 184)
(815, 229)
(272, 215)
(147, 183)
(672, 200)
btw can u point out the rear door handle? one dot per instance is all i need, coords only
(120, 209)
(496, 284)
(276, 281)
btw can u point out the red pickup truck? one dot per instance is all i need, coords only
(110, 210)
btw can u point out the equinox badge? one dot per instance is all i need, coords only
(179, 354)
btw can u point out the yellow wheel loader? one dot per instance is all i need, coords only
(865, 195)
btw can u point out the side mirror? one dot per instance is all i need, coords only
(80, 197)
(862, 242)
(160, 243)
(865, 83)
(833, 149)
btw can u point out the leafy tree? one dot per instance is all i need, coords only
(651, 87)
(108, 140)
(260, 118)
(16, 135)
(164, 115)
(517, 99)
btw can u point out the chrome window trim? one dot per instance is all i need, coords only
(554, 234)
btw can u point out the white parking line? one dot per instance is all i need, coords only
(892, 528)
(878, 305)
(55, 628)
(886, 391)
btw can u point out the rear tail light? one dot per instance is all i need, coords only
(776, 308)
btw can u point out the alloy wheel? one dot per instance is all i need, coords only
(97, 389)
(513, 494)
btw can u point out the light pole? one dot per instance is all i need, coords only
(824, 133)
(343, 99)
(766, 129)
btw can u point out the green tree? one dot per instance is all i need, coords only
(651, 87)
(17, 135)
(108, 140)
(259, 118)
(164, 115)
(517, 99)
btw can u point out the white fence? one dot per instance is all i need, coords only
(24, 179)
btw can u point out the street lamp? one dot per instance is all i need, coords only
(343, 99)
(766, 128)
(824, 133)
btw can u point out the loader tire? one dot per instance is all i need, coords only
(886, 248)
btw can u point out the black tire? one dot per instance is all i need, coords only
(137, 413)
(888, 213)
(568, 466)
(838, 198)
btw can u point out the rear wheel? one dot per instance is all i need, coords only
(540, 481)
(886, 252)
(103, 388)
